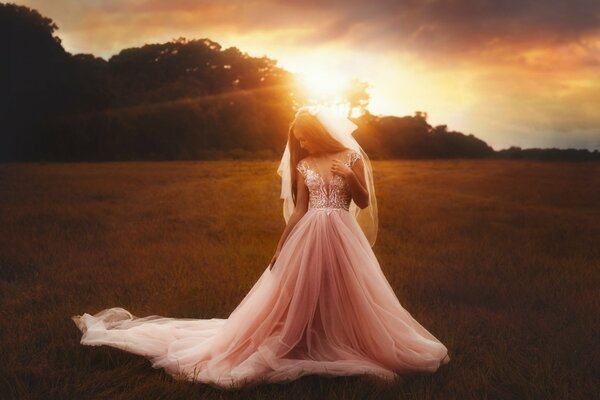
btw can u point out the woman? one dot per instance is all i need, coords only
(322, 306)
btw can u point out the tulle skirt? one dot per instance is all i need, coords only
(325, 308)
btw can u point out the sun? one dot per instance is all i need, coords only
(321, 85)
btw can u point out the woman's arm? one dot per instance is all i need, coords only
(299, 211)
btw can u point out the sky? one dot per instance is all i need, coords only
(511, 72)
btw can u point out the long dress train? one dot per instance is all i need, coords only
(325, 308)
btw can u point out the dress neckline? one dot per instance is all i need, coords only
(327, 183)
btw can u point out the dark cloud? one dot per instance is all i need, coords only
(456, 26)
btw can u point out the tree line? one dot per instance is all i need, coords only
(184, 99)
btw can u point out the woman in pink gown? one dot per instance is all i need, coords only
(322, 306)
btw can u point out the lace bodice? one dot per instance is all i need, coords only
(333, 195)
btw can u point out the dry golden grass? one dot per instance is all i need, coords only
(499, 259)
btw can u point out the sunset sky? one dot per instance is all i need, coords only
(513, 73)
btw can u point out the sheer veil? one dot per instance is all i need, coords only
(341, 129)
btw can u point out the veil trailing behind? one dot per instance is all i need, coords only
(325, 308)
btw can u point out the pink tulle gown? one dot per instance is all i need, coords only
(325, 308)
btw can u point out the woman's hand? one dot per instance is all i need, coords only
(274, 259)
(339, 168)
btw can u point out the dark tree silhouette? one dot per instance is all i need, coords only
(413, 137)
(32, 73)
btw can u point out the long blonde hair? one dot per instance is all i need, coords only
(317, 135)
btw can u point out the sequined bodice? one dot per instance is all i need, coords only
(333, 195)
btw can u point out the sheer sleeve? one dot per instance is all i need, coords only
(301, 167)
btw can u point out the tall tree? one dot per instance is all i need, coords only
(356, 95)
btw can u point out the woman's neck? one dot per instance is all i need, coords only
(325, 154)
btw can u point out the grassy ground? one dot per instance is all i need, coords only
(499, 259)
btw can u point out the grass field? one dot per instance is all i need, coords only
(498, 259)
